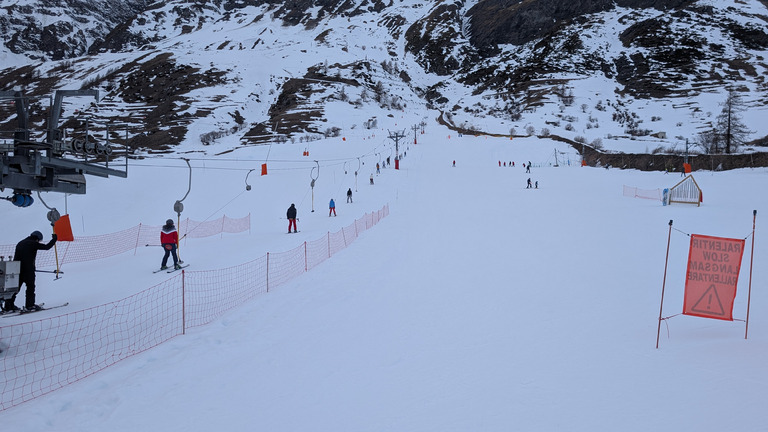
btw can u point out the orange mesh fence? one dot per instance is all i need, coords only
(90, 248)
(349, 233)
(284, 266)
(317, 252)
(234, 226)
(42, 356)
(335, 242)
(106, 245)
(360, 225)
(211, 293)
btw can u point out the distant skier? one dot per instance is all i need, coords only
(349, 195)
(169, 238)
(529, 183)
(378, 171)
(528, 168)
(371, 178)
(291, 214)
(537, 184)
(26, 253)
(454, 164)
(331, 208)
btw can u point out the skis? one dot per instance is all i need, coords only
(170, 269)
(7, 314)
(175, 269)
(25, 311)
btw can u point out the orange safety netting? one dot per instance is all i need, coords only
(91, 248)
(45, 355)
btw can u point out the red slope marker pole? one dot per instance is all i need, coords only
(664, 284)
(751, 260)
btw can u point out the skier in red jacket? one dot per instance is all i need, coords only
(169, 238)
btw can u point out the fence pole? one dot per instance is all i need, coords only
(267, 271)
(329, 244)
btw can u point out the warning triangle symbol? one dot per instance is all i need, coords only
(709, 303)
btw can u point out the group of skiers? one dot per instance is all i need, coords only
(512, 164)
(529, 184)
(26, 254)
(291, 213)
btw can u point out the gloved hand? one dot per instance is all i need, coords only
(54, 237)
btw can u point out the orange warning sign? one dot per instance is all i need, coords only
(713, 273)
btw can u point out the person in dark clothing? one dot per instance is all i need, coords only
(291, 214)
(26, 253)
(169, 238)
(349, 195)
(529, 183)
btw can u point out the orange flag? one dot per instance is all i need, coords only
(63, 229)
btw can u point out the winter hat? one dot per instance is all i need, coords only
(37, 234)
(169, 222)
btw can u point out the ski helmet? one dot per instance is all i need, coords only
(169, 222)
(37, 234)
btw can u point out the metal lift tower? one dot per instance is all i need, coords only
(55, 163)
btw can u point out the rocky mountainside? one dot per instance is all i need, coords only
(58, 29)
(600, 72)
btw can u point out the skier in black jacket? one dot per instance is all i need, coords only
(26, 253)
(291, 214)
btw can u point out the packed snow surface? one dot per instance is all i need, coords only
(477, 304)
